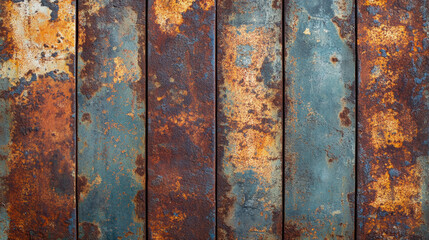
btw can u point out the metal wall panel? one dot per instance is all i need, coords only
(250, 119)
(320, 119)
(393, 51)
(181, 118)
(37, 114)
(112, 115)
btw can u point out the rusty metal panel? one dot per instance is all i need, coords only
(181, 119)
(112, 115)
(319, 119)
(393, 50)
(250, 119)
(37, 106)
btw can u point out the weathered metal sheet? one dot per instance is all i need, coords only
(111, 114)
(181, 118)
(37, 107)
(393, 50)
(319, 119)
(250, 119)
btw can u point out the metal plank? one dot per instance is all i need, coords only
(320, 119)
(181, 118)
(111, 97)
(393, 50)
(250, 119)
(37, 107)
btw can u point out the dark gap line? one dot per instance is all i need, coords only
(283, 118)
(356, 119)
(146, 120)
(216, 122)
(76, 42)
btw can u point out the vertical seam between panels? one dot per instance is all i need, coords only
(356, 120)
(76, 42)
(146, 120)
(283, 116)
(216, 121)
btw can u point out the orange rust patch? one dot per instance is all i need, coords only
(86, 118)
(91, 231)
(257, 149)
(291, 231)
(392, 119)
(345, 118)
(32, 33)
(169, 13)
(387, 128)
(41, 162)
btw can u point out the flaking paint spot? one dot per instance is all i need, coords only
(32, 32)
(169, 14)
(251, 107)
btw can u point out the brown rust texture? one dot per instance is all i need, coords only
(38, 88)
(249, 120)
(393, 48)
(181, 118)
(111, 115)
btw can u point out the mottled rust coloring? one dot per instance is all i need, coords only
(393, 119)
(249, 119)
(181, 118)
(37, 92)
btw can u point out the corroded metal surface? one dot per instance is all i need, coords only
(37, 106)
(111, 114)
(320, 119)
(393, 48)
(250, 119)
(181, 118)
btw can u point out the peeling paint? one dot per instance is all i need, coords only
(250, 120)
(112, 115)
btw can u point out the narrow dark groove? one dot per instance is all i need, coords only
(216, 122)
(76, 43)
(146, 119)
(356, 119)
(283, 116)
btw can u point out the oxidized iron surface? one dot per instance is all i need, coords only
(37, 106)
(393, 48)
(181, 115)
(111, 113)
(250, 119)
(320, 119)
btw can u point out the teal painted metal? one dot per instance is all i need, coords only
(250, 119)
(5, 127)
(111, 97)
(320, 119)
